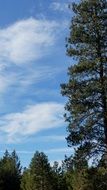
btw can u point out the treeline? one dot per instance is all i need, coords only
(40, 175)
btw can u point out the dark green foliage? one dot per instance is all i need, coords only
(75, 163)
(76, 173)
(59, 178)
(27, 182)
(84, 177)
(56, 170)
(71, 175)
(10, 172)
(97, 178)
(41, 172)
(77, 180)
(42, 176)
(86, 89)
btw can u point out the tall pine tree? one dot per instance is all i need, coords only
(86, 89)
(41, 172)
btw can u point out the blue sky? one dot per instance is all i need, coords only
(33, 64)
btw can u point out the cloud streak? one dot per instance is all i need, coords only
(27, 40)
(51, 138)
(59, 6)
(22, 44)
(59, 150)
(49, 151)
(35, 118)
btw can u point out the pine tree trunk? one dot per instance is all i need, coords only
(103, 91)
(104, 103)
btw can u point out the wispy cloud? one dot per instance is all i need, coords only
(19, 151)
(51, 138)
(59, 6)
(33, 119)
(49, 151)
(39, 74)
(22, 44)
(26, 40)
(4, 82)
(21, 80)
(59, 150)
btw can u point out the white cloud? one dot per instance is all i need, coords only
(49, 151)
(33, 119)
(7, 79)
(51, 138)
(57, 6)
(19, 151)
(39, 74)
(4, 82)
(20, 81)
(23, 42)
(26, 40)
(59, 150)
(45, 139)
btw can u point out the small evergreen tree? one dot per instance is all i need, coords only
(10, 172)
(59, 179)
(76, 173)
(41, 171)
(27, 182)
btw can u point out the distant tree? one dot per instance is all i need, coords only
(10, 172)
(41, 171)
(76, 173)
(27, 182)
(77, 180)
(80, 176)
(59, 179)
(16, 164)
(97, 178)
(56, 173)
(75, 163)
(86, 89)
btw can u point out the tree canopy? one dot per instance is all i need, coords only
(86, 88)
(10, 171)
